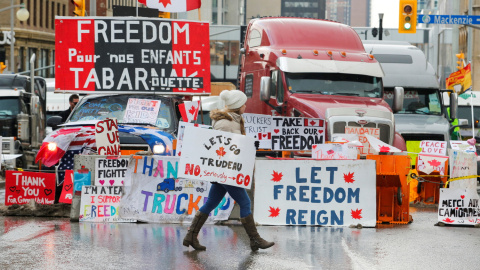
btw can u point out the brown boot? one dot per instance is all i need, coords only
(256, 241)
(191, 237)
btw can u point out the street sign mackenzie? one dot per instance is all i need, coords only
(448, 19)
(125, 54)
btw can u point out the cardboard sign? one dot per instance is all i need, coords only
(361, 132)
(110, 172)
(462, 146)
(113, 54)
(212, 155)
(259, 127)
(107, 138)
(21, 187)
(315, 192)
(101, 204)
(428, 164)
(156, 194)
(334, 151)
(297, 133)
(141, 111)
(181, 132)
(463, 164)
(438, 148)
(459, 206)
(67, 190)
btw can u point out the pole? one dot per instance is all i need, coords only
(12, 51)
(380, 30)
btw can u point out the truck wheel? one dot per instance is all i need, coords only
(21, 162)
(201, 190)
(180, 189)
(198, 189)
(399, 196)
(166, 190)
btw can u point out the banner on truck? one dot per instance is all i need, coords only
(115, 54)
(107, 137)
(21, 187)
(212, 155)
(459, 206)
(315, 192)
(156, 194)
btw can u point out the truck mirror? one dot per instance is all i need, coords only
(453, 105)
(398, 96)
(54, 121)
(34, 102)
(265, 88)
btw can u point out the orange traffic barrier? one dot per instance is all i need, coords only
(393, 192)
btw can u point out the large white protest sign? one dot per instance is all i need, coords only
(156, 194)
(297, 133)
(259, 127)
(315, 192)
(438, 148)
(181, 132)
(218, 156)
(459, 206)
(334, 151)
(107, 138)
(142, 111)
(101, 204)
(110, 172)
(463, 164)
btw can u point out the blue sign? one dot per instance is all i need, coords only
(448, 19)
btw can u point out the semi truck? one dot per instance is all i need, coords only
(300, 67)
(22, 118)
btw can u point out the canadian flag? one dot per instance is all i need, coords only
(189, 110)
(172, 5)
(310, 122)
(432, 162)
(265, 136)
(380, 146)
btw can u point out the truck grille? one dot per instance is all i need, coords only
(339, 127)
(423, 137)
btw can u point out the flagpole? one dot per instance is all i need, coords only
(136, 9)
(199, 16)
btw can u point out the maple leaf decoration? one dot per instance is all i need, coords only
(165, 2)
(274, 212)
(448, 220)
(384, 148)
(221, 152)
(312, 122)
(348, 178)
(192, 110)
(356, 214)
(276, 176)
(434, 163)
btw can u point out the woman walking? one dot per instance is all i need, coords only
(230, 120)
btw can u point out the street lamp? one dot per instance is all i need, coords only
(22, 15)
(380, 30)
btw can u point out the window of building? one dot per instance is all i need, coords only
(29, 7)
(52, 21)
(21, 59)
(34, 22)
(41, 13)
(47, 8)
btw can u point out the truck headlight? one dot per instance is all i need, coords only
(52, 146)
(158, 149)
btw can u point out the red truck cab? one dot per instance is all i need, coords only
(318, 69)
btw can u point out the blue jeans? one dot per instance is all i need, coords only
(218, 191)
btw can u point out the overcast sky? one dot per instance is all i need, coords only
(389, 8)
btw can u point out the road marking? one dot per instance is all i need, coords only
(358, 262)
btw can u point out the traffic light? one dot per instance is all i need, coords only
(2, 67)
(164, 15)
(461, 60)
(79, 7)
(407, 20)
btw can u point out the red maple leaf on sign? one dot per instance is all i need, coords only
(276, 176)
(434, 163)
(192, 110)
(165, 2)
(274, 212)
(221, 152)
(384, 148)
(448, 220)
(348, 178)
(312, 122)
(356, 214)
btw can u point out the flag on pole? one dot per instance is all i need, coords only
(380, 146)
(461, 78)
(172, 5)
(189, 110)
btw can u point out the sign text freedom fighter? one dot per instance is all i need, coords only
(124, 54)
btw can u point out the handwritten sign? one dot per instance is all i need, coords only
(101, 204)
(259, 127)
(297, 133)
(438, 148)
(463, 164)
(459, 206)
(21, 187)
(334, 151)
(361, 132)
(212, 155)
(155, 194)
(181, 132)
(141, 111)
(107, 138)
(110, 172)
(462, 146)
(315, 192)
(429, 163)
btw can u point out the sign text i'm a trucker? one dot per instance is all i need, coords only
(125, 54)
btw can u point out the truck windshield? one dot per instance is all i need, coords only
(418, 101)
(334, 84)
(9, 107)
(100, 108)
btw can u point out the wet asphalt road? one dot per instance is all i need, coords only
(47, 243)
